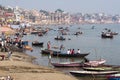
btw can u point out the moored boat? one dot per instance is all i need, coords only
(68, 64)
(34, 32)
(91, 73)
(28, 48)
(114, 76)
(59, 38)
(98, 68)
(36, 43)
(95, 62)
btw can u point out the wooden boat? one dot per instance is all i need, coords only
(114, 33)
(114, 76)
(95, 62)
(36, 43)
(34, 32)
(55, 47)
(40, 34)
(77, 33)
(59, 54)
(59, 38)
(68, 64)
(91, 73)
(28, 48)
(106, 35)
(98, 68)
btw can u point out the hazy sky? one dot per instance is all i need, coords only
(83, 6)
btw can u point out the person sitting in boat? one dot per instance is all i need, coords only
(78, 51)
(73, 51)
(68, 51)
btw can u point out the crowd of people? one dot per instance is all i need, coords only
(8, 42)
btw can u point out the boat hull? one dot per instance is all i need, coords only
(98, 68)
(62, 39)
(114, 77)
(106, 36)
(70, 64)
(95, 63)
(37, 43)
(91, 73)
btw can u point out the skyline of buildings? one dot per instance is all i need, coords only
(59, 16)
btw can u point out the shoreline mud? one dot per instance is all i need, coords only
(20, 67)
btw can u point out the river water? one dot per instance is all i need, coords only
(89, 41)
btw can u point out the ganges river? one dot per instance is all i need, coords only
(89, 41)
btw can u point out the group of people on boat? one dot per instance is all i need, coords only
(69, 51)
(72, 51)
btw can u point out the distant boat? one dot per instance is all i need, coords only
(114, 76)
(36, 43)
(93, 27)
(68, 64)
(114, 33)
(95, 62)
(106, 35)
(91, 73)
(64, 33)
(111, 32)
(59, 38)
(34, 32)
(77, 33)
(59, 54)
(40, 34)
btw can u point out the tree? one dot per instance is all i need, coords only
(59, 10)
(1, 7)
(10, 10)
(44, 12)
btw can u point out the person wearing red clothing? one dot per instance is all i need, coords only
(73, 51)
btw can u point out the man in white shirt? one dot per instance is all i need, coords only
(68, 52)
(78, 51)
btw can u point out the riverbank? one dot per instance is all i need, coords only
(20, 67)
